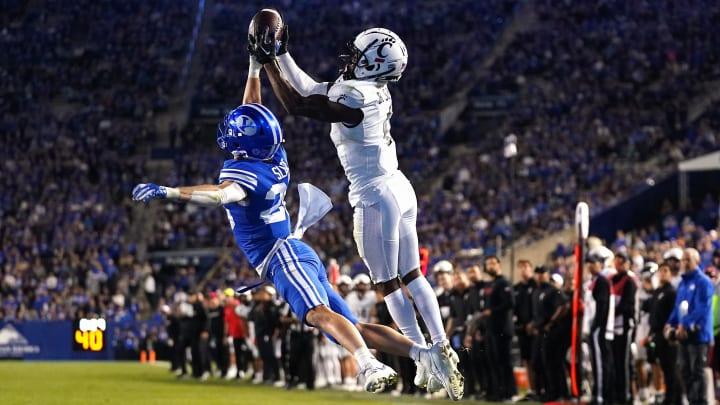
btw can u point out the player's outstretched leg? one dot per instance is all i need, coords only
(374, 375)
(426, 302)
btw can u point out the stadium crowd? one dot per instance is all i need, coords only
(77, 107)
(610, 79)
(261, 339)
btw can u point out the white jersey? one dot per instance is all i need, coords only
(367, 150)
(361, 306)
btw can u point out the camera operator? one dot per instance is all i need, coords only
(662, 304)
(691, 324)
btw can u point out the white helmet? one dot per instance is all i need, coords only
(443, 266)
(601, 254)
(361, 278)
(345, 279)
(376, 54)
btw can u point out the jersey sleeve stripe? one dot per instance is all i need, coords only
(249, 179)
(242, 181)
(245, 172)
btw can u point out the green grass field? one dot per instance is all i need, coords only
(89, 383)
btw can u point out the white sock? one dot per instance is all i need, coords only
(363, 357)
(427, 304)
(415, 351)
(403, 313)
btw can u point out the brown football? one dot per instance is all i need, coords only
(267, 18)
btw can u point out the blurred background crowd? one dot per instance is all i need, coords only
(603, 98)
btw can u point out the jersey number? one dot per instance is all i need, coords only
(277, 211)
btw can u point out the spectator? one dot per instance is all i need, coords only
(599, 323)
(663, 302)
(673, 258)
(498, 311)
(548, 305)
(236, 329)
(463, 305)
(523, 292)
(624, 294)
(691, 324)
(266, 320)
(217, 342)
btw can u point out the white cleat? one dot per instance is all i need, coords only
(434, 385)
(422, 375)
(443, 365)
(376, 376)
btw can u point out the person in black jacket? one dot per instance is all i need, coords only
(172, 315)
(266, 318)
(499, 311)
(624, 289)
(199, 342)
(218, 345)
(599, 314)
(661, 306)
(548, 307)
(463, 304)
(523, 292)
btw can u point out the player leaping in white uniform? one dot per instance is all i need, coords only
(252, 188)
(359, 106)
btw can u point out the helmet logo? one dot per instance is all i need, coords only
(246, 126)
(381, 48)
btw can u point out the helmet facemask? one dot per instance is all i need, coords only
(349, 61)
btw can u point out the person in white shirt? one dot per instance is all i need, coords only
(361, 300)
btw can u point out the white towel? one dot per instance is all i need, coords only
(314, 204)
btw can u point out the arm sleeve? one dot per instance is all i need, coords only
(304, 84)
(227, 195)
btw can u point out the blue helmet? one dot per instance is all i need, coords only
(250, 131)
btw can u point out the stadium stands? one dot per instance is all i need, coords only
(601, 96)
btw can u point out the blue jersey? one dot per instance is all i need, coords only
(260, 219)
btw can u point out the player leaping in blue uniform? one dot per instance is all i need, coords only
(252, 189)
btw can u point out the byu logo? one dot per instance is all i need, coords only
(246, 126)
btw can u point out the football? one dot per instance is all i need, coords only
(269, 18)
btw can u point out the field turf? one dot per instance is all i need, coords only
(129, 383)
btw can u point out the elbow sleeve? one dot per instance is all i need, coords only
(232, 193)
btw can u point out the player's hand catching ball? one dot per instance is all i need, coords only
(264, 47)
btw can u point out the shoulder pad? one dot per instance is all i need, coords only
(347, 95)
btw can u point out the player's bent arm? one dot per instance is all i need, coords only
(316, 106)
(304, 84)
(212, 195)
